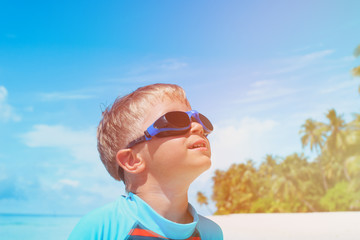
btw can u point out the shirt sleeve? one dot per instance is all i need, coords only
(103, 223)
(209, 230)
(86, 228)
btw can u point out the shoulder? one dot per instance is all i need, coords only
(209, 229)
(105, 221)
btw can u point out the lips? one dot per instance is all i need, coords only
(198, 144)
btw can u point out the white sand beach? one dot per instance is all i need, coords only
(290, 226)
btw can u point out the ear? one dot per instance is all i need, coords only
(130, 161)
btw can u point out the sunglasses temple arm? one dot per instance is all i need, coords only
(145, 137)
(136, 141)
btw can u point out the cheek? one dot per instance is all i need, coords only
(167, 150)
(171, 150)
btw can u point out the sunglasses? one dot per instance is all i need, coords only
(173, 124)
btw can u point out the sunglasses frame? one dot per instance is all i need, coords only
(154, 130)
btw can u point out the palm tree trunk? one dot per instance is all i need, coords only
(308, 205)
(346, 173)
(325, 185)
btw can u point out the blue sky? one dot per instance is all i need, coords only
(258, 69)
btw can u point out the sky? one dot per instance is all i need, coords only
(257, 69)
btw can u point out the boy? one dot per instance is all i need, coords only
(157, 167)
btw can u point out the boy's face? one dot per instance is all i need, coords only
(175, 158)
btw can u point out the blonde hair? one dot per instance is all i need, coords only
(122, 122)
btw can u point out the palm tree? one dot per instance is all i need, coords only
(314, 133)
(356, 70)
(293, 184)
(203, 200)
(266, 173)
(235, 189)
(336, 141)
(357, 51)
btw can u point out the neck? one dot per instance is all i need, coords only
(169, 203)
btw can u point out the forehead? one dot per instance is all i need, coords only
(161, 108)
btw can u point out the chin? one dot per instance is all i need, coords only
(203, 164)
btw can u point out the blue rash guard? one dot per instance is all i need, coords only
(131, 218)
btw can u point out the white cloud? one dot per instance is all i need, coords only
(315, 55)
(299, 62)
(172, 64)
(7, 112)
(167, 70)
(263, 83)
(244, 139)
(69, 182)
(80, 183)
(58, 96)
(59, 185)
(338, 83)
(265, 90)
(262, 94)
(81, 144)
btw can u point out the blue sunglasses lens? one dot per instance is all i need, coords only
(206, 122)
(177, 119)
(171, 122)
(178, 123)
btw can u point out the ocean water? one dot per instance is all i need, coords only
(31, 227)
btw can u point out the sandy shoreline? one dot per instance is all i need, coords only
(290, 226)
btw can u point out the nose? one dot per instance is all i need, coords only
(196, 128)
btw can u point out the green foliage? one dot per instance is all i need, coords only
(357, 51)
(202, 199)
(340, 198)
(234, 189)
(356, 70)
(330, 182)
